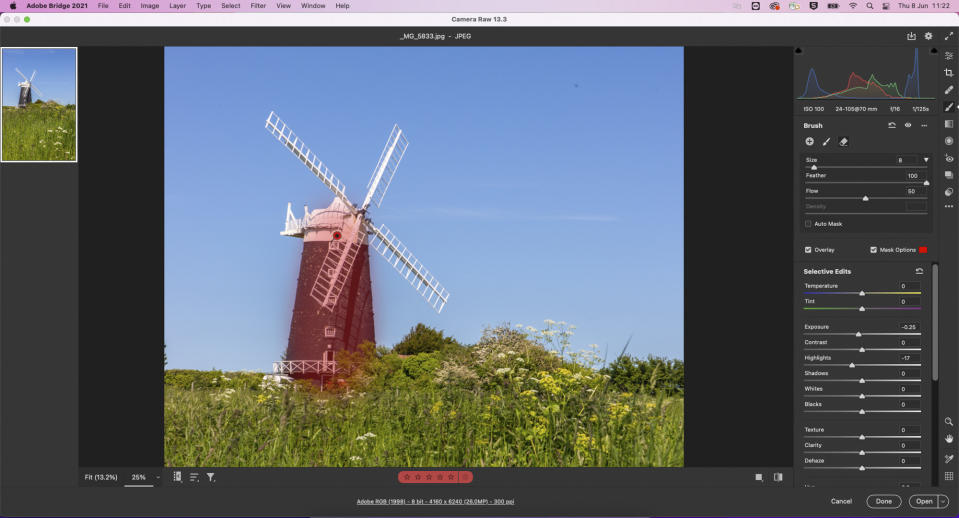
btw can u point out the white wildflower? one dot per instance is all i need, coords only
(503, 371)
(549, 322)
(501, 356)
(356, 458)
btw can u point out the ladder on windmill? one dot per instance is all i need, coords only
(336, 267)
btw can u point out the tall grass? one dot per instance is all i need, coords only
(419, 428)
(39, 132)
(507, 401)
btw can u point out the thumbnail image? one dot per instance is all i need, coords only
(39, 114)
(499, 284)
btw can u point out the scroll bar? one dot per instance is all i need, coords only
(935, 322)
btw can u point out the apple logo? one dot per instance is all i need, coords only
(13, 5)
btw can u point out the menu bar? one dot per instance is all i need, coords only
(471, 6)
(164, 18)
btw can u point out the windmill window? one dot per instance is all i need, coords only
(329, 332)
(336, 245)
(329, 356)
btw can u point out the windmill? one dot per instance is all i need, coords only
(26, 89)
(333, 308)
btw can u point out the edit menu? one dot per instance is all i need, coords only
(875, 270)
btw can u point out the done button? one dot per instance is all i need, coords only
(884, 501)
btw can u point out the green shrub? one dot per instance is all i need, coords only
(196, 379)
(423, 339)
(421, 366)
(649, 376)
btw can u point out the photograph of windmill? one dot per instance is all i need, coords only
(39, 125)
(543, 187)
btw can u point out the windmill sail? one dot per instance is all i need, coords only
(336, 267)
(386, 167)
(338, 263)
(389, 246)
(285, 135)
(26, 89)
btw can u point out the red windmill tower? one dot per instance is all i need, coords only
(333, 309)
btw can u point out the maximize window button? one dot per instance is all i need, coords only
(884, 501)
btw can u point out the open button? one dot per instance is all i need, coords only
(924, 502)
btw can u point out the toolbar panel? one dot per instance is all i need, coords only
(875, 268)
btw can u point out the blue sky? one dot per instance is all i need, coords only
(539, 183)
(56, 74)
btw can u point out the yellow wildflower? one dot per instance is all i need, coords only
(584, 442)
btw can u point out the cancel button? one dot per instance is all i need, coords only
(884, 501)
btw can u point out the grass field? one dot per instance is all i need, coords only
(40, 132)
(504, 402)
(419, 429)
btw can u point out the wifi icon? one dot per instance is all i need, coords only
(853, 5)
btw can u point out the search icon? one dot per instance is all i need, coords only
(948, 421)
(869, 5)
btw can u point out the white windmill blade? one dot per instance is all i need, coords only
(34, 74)
(35, 89)
(286, 136)
(21, 74)
(403, 261)
(336, 267)
(386, 167)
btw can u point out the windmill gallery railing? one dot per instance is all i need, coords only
(305, 367)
